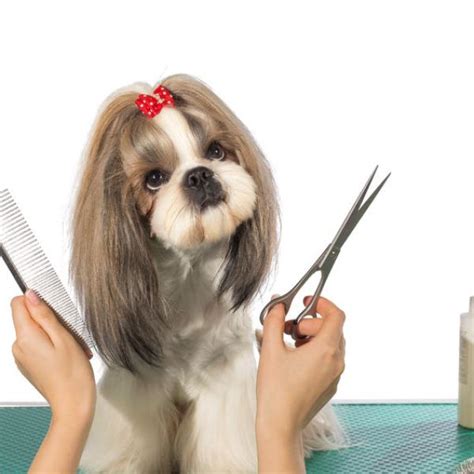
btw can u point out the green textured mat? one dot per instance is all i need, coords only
(390, 438)
(398, 438)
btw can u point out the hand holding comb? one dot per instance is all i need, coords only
(30, 268)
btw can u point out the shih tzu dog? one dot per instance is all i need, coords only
(174, 230)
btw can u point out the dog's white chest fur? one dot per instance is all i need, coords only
(204, 332)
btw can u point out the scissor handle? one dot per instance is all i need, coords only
(323, 264)
(287, 298)
(310, 309)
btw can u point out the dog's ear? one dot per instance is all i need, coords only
(251, 253)
(112, 267)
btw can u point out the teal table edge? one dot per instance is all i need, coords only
(385, 438)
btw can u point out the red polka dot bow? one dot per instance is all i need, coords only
(150, 105)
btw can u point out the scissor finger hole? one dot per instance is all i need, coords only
(302, 297)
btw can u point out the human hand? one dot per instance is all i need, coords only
(52, 360)
(293, 384)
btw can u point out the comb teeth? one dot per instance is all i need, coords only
(23, 255)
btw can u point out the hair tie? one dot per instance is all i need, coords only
(151, 105)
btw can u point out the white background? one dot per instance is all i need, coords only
(329, 90)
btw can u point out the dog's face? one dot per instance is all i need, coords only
(190, 176)
(195, 191)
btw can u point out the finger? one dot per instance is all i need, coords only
(307, 301)
(342, 346)
(44, 316)
(47, 321)
(303, 327)
(307, 327)
(273, 327)
(22, 320)
(301, 342)
(310, 326)
(28, 332)
(333, 320)
(20, 315)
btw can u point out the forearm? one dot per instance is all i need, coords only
(62, 446)
(280, 453)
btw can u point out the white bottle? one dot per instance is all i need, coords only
(466, 369)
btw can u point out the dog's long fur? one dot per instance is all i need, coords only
(165, 286)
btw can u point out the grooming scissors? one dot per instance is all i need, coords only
(326, 260)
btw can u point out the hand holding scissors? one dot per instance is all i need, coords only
(326, 260)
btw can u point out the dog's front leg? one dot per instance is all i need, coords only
(133, 426)
(217, 434)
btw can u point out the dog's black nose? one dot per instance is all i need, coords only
(202, 186)
(197, 177)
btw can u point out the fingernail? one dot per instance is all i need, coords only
(276, 295)
(32, 297)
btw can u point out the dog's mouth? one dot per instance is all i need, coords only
(212, 200)
(210, 195)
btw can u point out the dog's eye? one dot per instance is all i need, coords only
(154, 179)
(215, 152)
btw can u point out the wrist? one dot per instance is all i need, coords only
(280, 450)
(276, 426)
(77, 415)
(277, 431)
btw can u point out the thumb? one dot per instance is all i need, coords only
(43, 315)
(273, 327)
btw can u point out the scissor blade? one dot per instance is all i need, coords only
(352, 213)
(357, 216)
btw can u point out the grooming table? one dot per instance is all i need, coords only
(398, 438)
(387, 438)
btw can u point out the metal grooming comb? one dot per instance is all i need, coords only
(31, 269)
